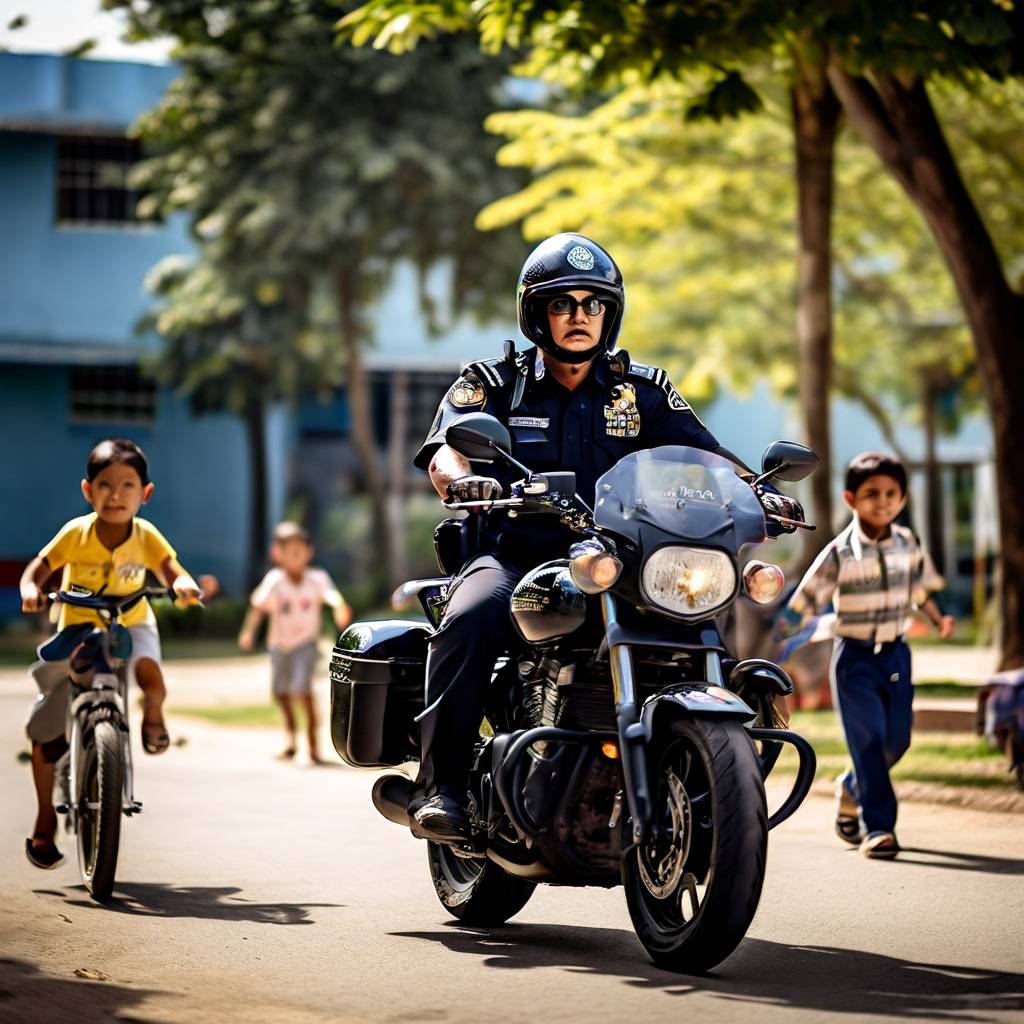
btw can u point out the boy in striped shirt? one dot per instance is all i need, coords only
(875, 573)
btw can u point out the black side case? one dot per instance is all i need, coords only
(377, 679)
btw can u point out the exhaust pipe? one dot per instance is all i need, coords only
(391, 795)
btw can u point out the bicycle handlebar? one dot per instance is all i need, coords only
(110, 602)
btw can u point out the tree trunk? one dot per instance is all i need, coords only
(357, 390)
(398, 468)
(256, 438)
(896, 117)
(816, 114)
(934, 531)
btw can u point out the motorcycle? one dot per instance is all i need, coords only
(621, 742)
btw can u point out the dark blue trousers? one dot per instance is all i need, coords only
(476, 628)
(873, 694)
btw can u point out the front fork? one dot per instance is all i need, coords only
(632, 738)
(78, 712)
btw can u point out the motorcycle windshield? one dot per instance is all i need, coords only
(683, 491)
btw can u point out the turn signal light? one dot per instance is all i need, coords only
(610, 750)
(595, 571)
(763, 581)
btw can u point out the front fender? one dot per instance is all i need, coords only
(92, 700)
(700, 700)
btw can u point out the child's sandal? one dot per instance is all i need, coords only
(880, 846)
(46, 858)
(154, 737)
(848, 829)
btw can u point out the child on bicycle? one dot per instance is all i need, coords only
(108, 551)
(292, 595)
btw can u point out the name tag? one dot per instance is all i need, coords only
(528, 421)
(640, 370)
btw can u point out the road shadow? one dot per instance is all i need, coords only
(206, 903)
(27, 994)
(960, 861)
(823, 979)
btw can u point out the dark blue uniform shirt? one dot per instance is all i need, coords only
(620, 407)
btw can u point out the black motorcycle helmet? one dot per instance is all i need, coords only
(560, 264)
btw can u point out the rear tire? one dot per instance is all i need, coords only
(711, 834)
(99, 830)
(473, 890)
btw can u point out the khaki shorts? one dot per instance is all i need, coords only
(291, 672)
(48, 716)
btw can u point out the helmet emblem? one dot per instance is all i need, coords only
(580, 257)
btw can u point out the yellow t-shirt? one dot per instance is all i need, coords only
(90, 566)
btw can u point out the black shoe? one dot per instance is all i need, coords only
(442, 819)
(43, 857)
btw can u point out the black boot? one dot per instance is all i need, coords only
(441, 818)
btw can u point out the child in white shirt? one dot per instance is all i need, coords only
(292, 595)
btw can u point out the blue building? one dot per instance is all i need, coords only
(72, 271)
(72, 268)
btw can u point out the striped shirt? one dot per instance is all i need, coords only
(873, 585)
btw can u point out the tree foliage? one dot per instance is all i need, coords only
(701, 220)
(876, 59)
(309, 171)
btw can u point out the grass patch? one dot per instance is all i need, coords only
(215, 648)
(946, 688)
(951, 759)
(250, 716)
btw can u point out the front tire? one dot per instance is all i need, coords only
(692, 889)
(475, 891)
(99, 810)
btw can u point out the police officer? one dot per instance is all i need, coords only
(572, 402)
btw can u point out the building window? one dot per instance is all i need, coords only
(92, 180)
(111, 394)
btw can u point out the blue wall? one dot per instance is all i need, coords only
(47, 90)
(70, 285)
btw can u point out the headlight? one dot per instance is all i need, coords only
(593, 569)
(691, 582)
(763, 581)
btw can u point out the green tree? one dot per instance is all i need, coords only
(226, 350)
(876, 59)
(702, 222)
(599, 46)
(308, 165)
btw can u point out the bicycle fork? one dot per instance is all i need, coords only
(104, 694)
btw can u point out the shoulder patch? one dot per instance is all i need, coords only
(466, 393)
(493, 373)
(640, 370)
(675, 400)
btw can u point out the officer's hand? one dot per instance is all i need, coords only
(474, 488)
(782, 505)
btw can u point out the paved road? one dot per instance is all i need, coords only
(263, 892)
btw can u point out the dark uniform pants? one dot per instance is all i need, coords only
(873, 693)
(476, 628)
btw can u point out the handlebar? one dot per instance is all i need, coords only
(111, 602)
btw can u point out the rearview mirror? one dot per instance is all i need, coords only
(478, 437)
(787, 460)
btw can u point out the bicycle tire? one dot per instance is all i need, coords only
(99, 829)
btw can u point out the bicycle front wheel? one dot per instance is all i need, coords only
(99, 810)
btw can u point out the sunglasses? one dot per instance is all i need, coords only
(566, 305)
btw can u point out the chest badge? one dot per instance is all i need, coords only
(621, 416)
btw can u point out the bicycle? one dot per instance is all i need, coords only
(94, 778)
